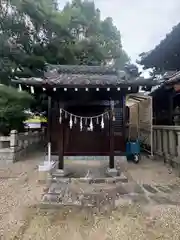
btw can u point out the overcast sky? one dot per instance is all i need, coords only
(142, 23)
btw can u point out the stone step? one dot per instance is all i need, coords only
(95, 195)
(91, 180)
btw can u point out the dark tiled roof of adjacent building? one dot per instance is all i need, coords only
(166, 54)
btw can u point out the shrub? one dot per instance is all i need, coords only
(12, 109)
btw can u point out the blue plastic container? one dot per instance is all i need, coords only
(132, 148)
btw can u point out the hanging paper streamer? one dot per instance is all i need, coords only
(102, 122)
(91, 125)
(20, 88)
(60, 116)
(32, 89)
(91, 120)
(114, 119)
(86, 121)
(65, 115)
(70, 122)
(81, 125)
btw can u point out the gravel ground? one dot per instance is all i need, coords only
(152, 172)
(18, 189)
(128, 222)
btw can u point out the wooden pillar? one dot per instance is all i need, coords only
(178, 143)
(61, 145)
(111, 135)
(49, 128)
(125, 130)
(171, 99)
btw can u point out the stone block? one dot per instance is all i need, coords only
(111, 180)
(54, 198)
(163, 200)
(149, 188)
(122, 178)
(56, 188)
(43, 176)
(163, 189)
(7, 156)
(120, 190)
(132, 187)
(139, 199)
(59, 173)
(112, 172)
(97, 180)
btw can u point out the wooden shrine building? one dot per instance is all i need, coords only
(86, 109)
(165, 59)
(166, 101)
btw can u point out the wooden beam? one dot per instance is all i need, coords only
(123, 84)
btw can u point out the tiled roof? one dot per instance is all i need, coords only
(174, 78)
(82, 69)
(81, 75)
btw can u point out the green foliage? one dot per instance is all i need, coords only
(35, 32)
(12, 108)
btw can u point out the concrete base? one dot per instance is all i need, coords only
(121, 163)
(43, 176)
(58, 173)
(45, 171)
(112, 172)
(46, 166)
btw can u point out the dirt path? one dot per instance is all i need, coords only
(18, 189)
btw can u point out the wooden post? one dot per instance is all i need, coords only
(49, 129)
(171, 99)
(124, 128)
(111, 135)
(61, 145)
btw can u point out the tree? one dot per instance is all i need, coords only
(12, 109)
(33, 33)
(97, 41)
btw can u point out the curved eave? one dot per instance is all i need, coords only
(164, 52)
(132, 83)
